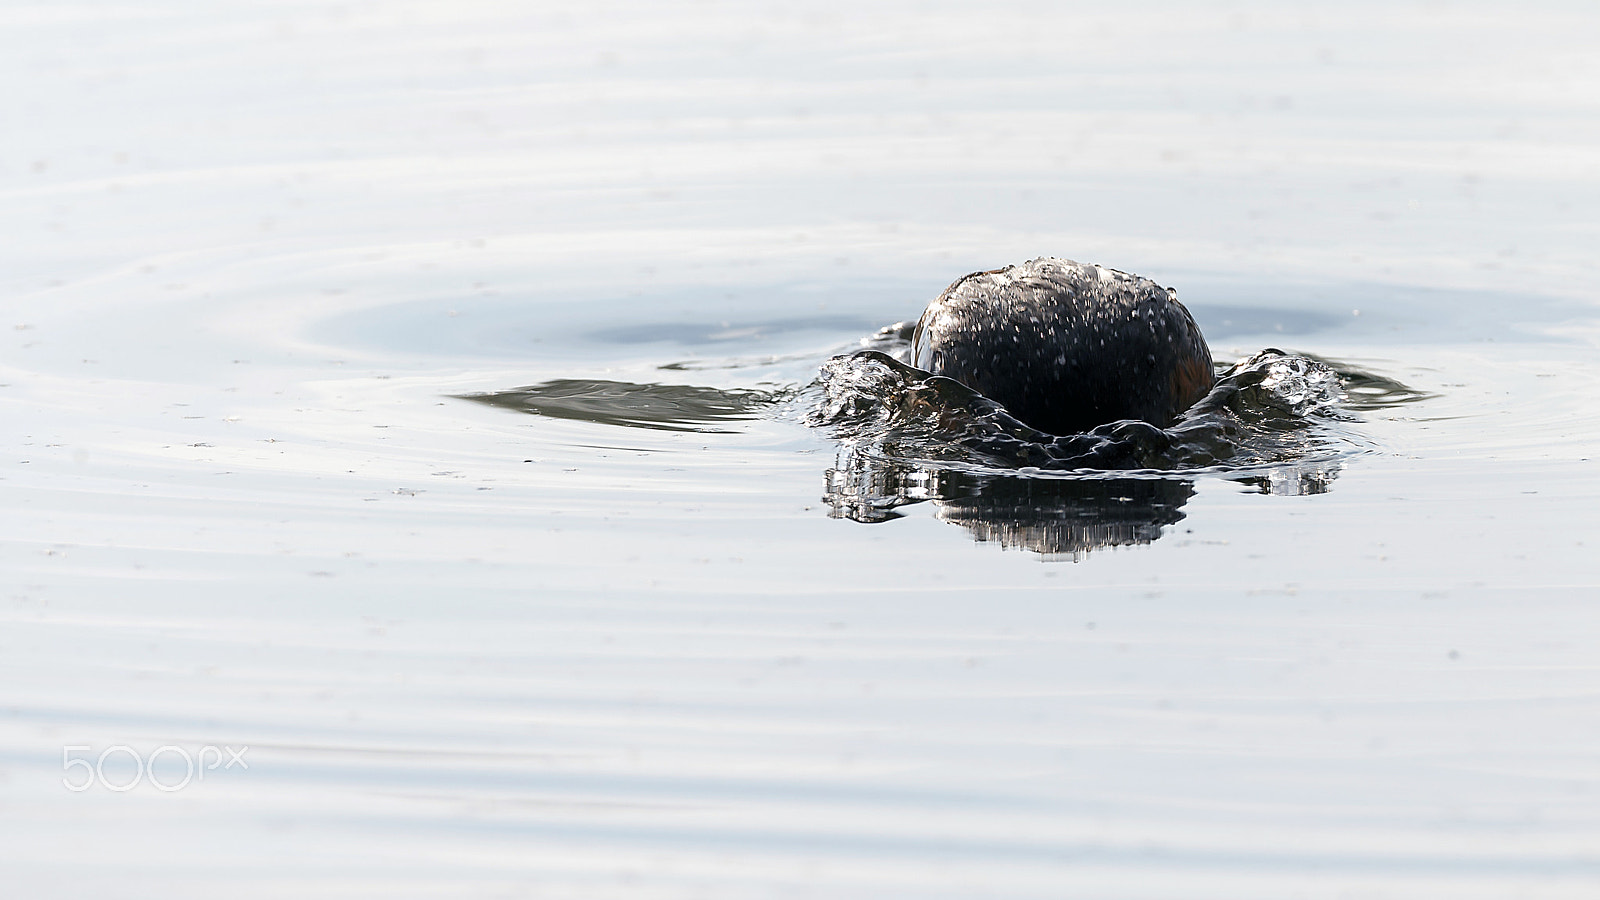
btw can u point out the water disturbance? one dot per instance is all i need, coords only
(1273, 420)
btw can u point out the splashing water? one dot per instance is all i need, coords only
(1296, 385)
(1274, 421)
(871, 398)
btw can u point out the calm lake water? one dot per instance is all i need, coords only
(370, 638)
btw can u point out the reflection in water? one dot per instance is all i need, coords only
(1057, 516)
(1298, 480)
(1066, 516)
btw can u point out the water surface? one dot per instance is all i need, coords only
(255, 255)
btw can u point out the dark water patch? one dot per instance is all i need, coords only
(722, 332)
(894, 340)
(661, 407)
(1227, 321)
(1375, 312)
(514, 320)
(734, 362)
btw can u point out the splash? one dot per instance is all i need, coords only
(1276, 422)
(1258, 411)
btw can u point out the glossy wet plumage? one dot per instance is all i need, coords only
(1066, 346)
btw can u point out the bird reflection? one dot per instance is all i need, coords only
(1056, 516)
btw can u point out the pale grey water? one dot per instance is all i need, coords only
(252, 252)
